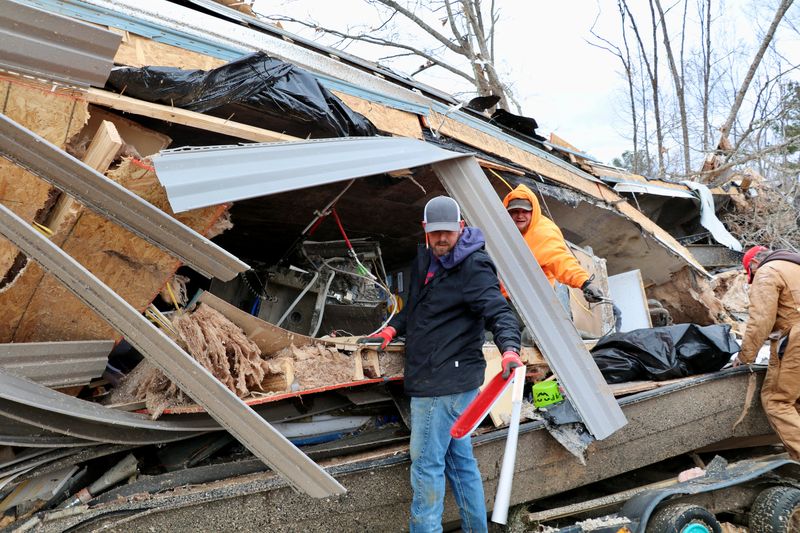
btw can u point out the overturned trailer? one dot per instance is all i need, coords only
(260, 216)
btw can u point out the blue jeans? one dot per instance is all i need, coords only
(434, 455)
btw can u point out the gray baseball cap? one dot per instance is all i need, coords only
(442, 214)
(519, 203)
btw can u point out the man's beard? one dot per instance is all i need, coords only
(440, 249)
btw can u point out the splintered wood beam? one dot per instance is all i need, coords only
(183, 116)
(100, 154)
(104, 147)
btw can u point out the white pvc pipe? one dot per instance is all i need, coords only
(503, 496)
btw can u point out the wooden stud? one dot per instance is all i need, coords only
(370, 363)
(280, 381)
(183, 116)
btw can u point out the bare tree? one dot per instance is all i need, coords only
(677, 79)
(625, 59)
(460, 38)
(751, 71)
(705, 12)
(652, 73)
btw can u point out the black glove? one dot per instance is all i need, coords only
(591, 292)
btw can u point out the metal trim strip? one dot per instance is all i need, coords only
(197, 177)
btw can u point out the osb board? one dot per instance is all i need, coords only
(57, 116)
(488, 143)
(385, 118)
(594, 319)
(559, 141)
(131, 267)
(137, 51)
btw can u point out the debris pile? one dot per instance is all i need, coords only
(259, 338)
(763, 215)
(731, 289)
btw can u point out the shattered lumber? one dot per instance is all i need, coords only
(61, 221)
(133, 268)
(115, 202)
(241, 421)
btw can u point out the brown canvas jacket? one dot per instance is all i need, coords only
(774, 305)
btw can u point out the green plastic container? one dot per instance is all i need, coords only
(546, 393)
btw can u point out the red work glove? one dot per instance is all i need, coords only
(384, 337)
(510, 361)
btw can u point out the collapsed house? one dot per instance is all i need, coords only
(297, 249)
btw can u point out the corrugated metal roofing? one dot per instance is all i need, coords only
(56, 364)
(53, 47)
(199, 177)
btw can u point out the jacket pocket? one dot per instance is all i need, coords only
(796, 300)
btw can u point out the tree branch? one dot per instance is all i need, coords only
(422, 24)
(379, 41)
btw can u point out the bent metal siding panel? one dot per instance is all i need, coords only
(198, 177)
(233, 414)
(56, 364)
(53, 47)
(541, 311)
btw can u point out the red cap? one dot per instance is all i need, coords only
(748, 257)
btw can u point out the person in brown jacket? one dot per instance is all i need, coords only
(775, 314)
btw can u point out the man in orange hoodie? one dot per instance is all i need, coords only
(547, 244)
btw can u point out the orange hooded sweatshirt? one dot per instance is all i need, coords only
(547, 244)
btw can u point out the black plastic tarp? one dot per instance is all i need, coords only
(255, 89)
(664, 353)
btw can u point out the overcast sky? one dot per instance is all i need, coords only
(570, 87)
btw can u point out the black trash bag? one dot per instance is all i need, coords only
(664, 353)
(255, 89)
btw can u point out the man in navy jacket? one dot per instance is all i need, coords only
(454, 295)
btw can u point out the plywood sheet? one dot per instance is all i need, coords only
(395, 121)
(133, 268)
(56, 115)
(137, 51)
